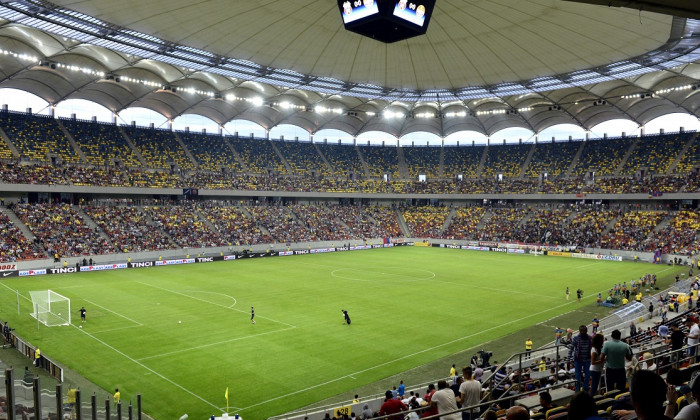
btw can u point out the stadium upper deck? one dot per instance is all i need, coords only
(43, 150)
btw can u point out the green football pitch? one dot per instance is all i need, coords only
(182, 335)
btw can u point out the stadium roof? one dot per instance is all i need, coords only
(484, 65)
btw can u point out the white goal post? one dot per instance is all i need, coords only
(50, 308)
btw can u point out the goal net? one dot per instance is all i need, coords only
(50, 308)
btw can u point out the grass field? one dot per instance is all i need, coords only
(409, 307)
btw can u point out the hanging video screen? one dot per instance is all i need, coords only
(354, 10)
(412, 11)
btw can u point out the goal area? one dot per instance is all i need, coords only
(50, 308)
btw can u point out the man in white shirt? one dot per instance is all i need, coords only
(693, 335)
(445, 401)
(469, 393)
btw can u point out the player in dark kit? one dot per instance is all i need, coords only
(347, 317)
(82, 314)
(252, 315)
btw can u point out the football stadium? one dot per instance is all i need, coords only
(356, 209)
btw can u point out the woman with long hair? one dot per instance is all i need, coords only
(596, 362)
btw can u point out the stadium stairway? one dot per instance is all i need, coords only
(93, 225)
(15, 220)
(8, 142)
(528, 159)
(240, 161)
(287, 167)
(626, 156)
(365, 168)
(155, 225)
(482, 161)
(403, 167)
(323, 158)
(681, 154)
(402, 224)
(577, 156)
(138, 154)
(487, 215)
(186, 150)
(610, 226)
(203, 219)
(71, 140)
(665, 222)
(448, 221)
(441, 164)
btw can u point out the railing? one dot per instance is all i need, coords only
(28, 400)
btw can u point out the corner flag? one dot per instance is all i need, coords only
(226, 395)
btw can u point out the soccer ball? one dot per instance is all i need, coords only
(179, 322)
(80, 326)
(59, 314)
(253, 322)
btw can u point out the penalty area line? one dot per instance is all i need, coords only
(138, 324)
(126, 356)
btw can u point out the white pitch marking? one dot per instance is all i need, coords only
(213, 303)
(115, 313)
(213, 344)
(121, 353)
(215, 293)
(115, 329)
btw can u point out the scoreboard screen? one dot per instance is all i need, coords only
(387, 20)
(358, 9)
(412, 11)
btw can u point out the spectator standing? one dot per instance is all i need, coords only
(401, 390)
(615, 352)
(557, 336)
(445, 401)
(580, 351)
(469, 393)
(432, 410)
(528, 348)
(499, 382)
(677, 338)
(392, 406)
(693, 335)
(596, 362)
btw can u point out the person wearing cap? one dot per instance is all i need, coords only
(690, 411)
